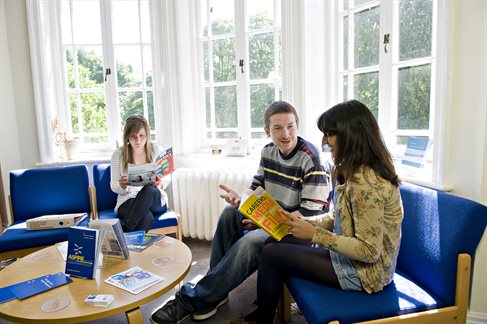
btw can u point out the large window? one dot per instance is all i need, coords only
(387, 60)
(240, 43)
(108, 68)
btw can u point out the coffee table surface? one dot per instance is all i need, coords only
(49, 261)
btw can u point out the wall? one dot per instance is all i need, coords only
(468, 110)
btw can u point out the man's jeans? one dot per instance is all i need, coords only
(234, 257)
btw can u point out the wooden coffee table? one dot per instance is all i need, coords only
(49, 261)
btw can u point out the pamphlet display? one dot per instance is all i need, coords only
(142, 174)
(134, 280)
(55, 221)
(114, 244)
(84, 246)
(262, 209)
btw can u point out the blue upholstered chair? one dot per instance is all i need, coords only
(43, 191)
(440, 233)
(105, 200)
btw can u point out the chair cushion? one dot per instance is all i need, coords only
(321, 304)
(169, 218)
(19, 237)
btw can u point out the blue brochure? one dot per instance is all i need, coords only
(33, 287)
(83, 250)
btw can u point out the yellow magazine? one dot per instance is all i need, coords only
(262, 209)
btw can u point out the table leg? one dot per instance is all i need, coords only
(134, 316)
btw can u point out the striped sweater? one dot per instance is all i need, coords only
(297, 181)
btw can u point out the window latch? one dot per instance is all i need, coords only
(241, 64)
(386, 41)
(108, 71)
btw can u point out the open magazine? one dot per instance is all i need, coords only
(142, 174)
(262, 209)
(134, 280)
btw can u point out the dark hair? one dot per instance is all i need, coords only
(132, 126)
(359, 141)
(278, 107)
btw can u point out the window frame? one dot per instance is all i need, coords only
(242, 82)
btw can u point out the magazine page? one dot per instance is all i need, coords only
(141, 174)
(262, 209)
(165, 162)
(134, 280)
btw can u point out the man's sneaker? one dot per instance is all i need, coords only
(172, 312)
(209, 312)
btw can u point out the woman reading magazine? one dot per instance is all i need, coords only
(136, 205)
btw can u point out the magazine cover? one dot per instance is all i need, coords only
(142, 174)
(134, 280)
(262, 209)
(138, 243)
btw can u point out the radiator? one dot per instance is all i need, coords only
(196, 197)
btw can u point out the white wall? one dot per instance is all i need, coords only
(465, 169)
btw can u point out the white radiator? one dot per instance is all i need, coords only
(196, 196)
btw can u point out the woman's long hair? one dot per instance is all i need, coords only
(359, 141)
(132, 126)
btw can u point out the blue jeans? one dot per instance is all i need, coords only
(234, 257)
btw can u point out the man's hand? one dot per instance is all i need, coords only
(249, 225)
(230, 196)
(299, 227)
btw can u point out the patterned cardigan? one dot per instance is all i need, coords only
(370, 211)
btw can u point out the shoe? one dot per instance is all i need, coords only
(208, 312)
(171, 313)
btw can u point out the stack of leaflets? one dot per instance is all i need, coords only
(140, 240)
(134, 280)
(84, 245)
(142, 174)
(114, 245)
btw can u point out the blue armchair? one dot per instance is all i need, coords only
(105, 200)
(440, 233)
(43, 191)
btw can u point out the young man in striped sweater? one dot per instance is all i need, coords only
(290, 170)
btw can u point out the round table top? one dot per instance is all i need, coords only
(175, 253)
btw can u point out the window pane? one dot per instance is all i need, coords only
(415, 28)
(260, 14)
(73, 106)
(145, 21)
(208, 107)
(125, 22)
(94, 113)
(224, 60)
(86, 22)
(226, 106)
(206, 66)
(261, 55)
(222, 16)
(261, 96)
(345, 87)
(131, 103)
(147, 65)
(150, 110)
(203, 17)
(69, 67)
(129, 68)
(345, 43)
(359, 2)
(366, 48)
(226, 134)
(90, 68)
(366, 90)
(414, 97)
(256, 135)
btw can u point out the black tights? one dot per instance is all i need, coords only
(290, 257)
(138, 213)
